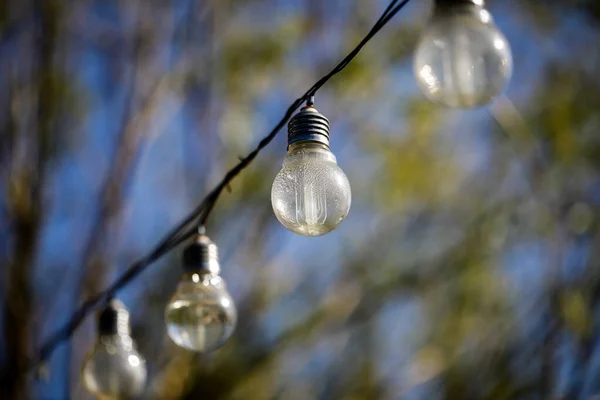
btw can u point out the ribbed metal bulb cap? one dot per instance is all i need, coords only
(449, 3)
(202, 257)
(309, 125)
(114, 319)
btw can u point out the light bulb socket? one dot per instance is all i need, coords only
(202, 257)
(451, 3)
(473, 8)
(113, 319)
(308, 125)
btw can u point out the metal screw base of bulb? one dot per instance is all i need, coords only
(450, 3)
(309, 125)
(202, 257)
(114, 319)
(475, 9)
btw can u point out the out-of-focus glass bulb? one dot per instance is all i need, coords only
(201, 315)
(311, 194)
(113, 369)
(462, 59)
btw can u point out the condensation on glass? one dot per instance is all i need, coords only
(311, 194)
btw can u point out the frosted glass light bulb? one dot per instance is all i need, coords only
(311, 194)
(462, 59)
(201, 315)
(113, 369)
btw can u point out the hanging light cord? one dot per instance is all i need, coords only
(198, 217)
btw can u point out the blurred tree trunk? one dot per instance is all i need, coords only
(24, 189)
(17, 301)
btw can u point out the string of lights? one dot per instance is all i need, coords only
(310, 196)
(186, 228)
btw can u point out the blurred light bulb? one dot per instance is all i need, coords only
(311, 194)
(201, 315)
(462, 59)
(113, 369)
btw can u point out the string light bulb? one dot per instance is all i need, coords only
(201, 315)
(113, 369)
(311, 194)
(462, 59)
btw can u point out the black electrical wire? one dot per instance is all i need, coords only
(212, 197)
(198, 217)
